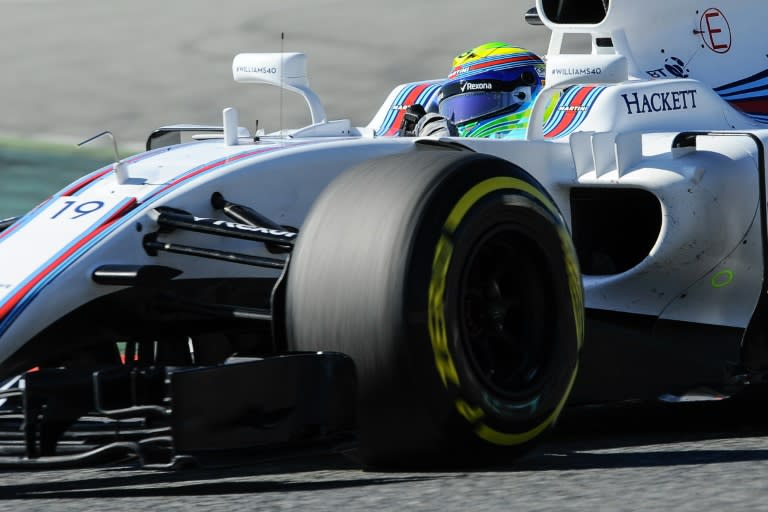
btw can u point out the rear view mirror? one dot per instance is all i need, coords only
(285, 70)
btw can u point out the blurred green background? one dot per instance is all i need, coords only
(74, 68)
(30, 172)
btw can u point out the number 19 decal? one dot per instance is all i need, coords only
(79, 209)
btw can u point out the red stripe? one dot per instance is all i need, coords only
(16, 225)
(409, 100)
(10, 230)
(68, 192)
(78, 186)
(500, 61)
(482, 65)
(9, 305)
(756, 106)
(208, 167)
(565, 122)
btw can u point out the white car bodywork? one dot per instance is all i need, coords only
(620, 109)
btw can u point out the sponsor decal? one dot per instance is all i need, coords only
(572, 110)
(638, 103)
(246, 227)
(577, 71)
(715, 31)
(21, 295)
(673, 67)
(748, 94)
(676, 67)
(421, 93)
(457, 72)
(475, 86)
(253, 69)
(42, 269)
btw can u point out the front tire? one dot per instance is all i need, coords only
(451, 281)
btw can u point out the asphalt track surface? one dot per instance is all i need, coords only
(72, 68)
(640, 458)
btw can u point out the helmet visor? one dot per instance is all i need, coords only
(469, 106)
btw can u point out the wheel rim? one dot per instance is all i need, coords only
(506, 312)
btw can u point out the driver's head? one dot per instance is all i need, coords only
(491, 89)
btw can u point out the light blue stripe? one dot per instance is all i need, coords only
(558, 114)
(589, 101)
(580, 116)
(132, 160)
(141, 207)
(31, 294)
(739, 88)
(392, 114)
(747, 96)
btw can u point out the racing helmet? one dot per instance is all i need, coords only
(491, 89)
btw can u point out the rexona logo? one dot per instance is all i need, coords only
(244, 227)
(253, 69)
(660, 101)
(254, 229)
(476, 86)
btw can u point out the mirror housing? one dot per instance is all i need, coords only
(285, 70)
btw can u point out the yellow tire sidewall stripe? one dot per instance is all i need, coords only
(437, 325)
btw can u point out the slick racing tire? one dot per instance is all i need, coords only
(450, 279)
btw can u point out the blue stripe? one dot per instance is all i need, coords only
(760, 118)
(84, 179)
(558, 114)
(530, 55)
(744, 82)
(427, 94)
(31, 294)
(580, 116)
(589, 101)
(132, 160)
(26, 219)
(392, 114)
(141, 207)
(510, 65)
(746, 96)
(401, 97)
(222, 163)
(761, 85)
(425, 97)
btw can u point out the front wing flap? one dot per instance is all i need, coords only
(166, 416)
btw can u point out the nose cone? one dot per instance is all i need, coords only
(38, 248)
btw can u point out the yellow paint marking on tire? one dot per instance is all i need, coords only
(574, 283)
(436, 304)
(504, 439)
(473, 414)
(438, 333)
(486, 187)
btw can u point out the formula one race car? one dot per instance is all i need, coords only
(433, 297)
